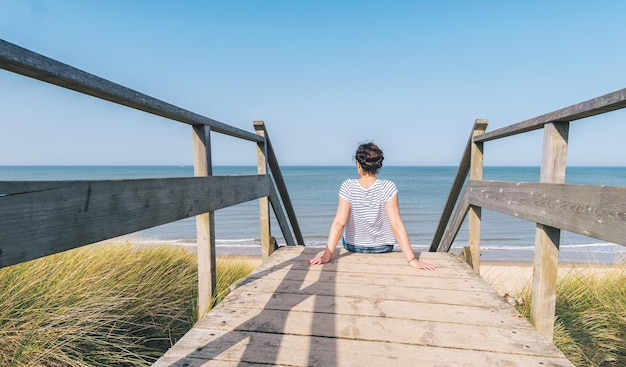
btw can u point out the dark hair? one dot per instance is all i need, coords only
(370, 157)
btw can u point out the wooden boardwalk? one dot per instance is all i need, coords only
(363, 310)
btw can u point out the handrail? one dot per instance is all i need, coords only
(457, 185)
(41, 218)
(50, 217)
(606, 103)
(589, 210)
(280, 184)
(31, 64)
(592, 210)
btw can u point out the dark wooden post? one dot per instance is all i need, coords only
(546, 258)
(476, 173)
(267, 245)
(205, 223)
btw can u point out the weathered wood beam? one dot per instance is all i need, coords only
(40, 218)
(606, 103)
(205, 223)
(457, 185)
(548, 238)
(475, 212)
(28, 63)
(267, 245)
(280, 217)
(280, 183)
(594, 211)
(457, 221)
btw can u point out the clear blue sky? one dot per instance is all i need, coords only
(324, 75)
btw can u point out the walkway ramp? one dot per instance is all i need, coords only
(363, 310)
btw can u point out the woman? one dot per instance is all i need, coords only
(368, 215)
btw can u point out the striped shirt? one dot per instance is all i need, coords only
(368, 224)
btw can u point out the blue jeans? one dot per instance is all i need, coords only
(367, 249)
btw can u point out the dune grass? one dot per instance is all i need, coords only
(102, 305)
(590, 325)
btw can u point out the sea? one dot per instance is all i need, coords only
(313, 190)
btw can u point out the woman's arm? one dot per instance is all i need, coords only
(399, 230)
(336, 229)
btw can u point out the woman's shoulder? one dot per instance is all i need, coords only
(387, 185)
(385, 182)
(348, 184)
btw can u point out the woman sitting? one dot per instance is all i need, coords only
(368, 215)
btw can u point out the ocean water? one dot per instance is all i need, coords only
(314, 192)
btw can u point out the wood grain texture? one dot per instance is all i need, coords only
(594, 211)
(267, 245)
(205, 222)
(40, 218)
(457, 221)
(606, 103)
(480, 125)
(282, 220)
(362, 310)
(475, 212)
(547, 238)
(281, 188)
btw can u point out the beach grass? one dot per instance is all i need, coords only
(590, 325)
(102, 305)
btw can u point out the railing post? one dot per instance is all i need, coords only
(476, 173)
(267, 245)
(546, 257)
(205, 223)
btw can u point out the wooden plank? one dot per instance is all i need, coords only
(267, 244)
(594, 211)
(451, 260)
(471, 297)
(286, 316)
(444, 278)
(357, 279)
(328, 324)
(457, 221)
(547, 238)
(25, 62)
(205, 223)
(480, 125)
(474, 212)
(390, 265)
(39, 218)
(496, 315)
(280, 216)
(280, 184)
(606, 103)
(217, 347)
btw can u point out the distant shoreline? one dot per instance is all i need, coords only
(502, 257)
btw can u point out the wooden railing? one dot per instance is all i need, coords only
(40, 218)
(593, 211)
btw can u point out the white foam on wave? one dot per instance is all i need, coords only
(598, 247)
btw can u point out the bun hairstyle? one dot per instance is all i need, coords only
(370, 157)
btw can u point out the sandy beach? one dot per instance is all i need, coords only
(511, 277)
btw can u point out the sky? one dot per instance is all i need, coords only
(411, 76)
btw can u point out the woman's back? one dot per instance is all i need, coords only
(368, 224)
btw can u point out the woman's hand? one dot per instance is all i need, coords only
(421, 265)
(318, 260)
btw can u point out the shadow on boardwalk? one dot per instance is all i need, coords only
(363, 310)
(258, 340)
